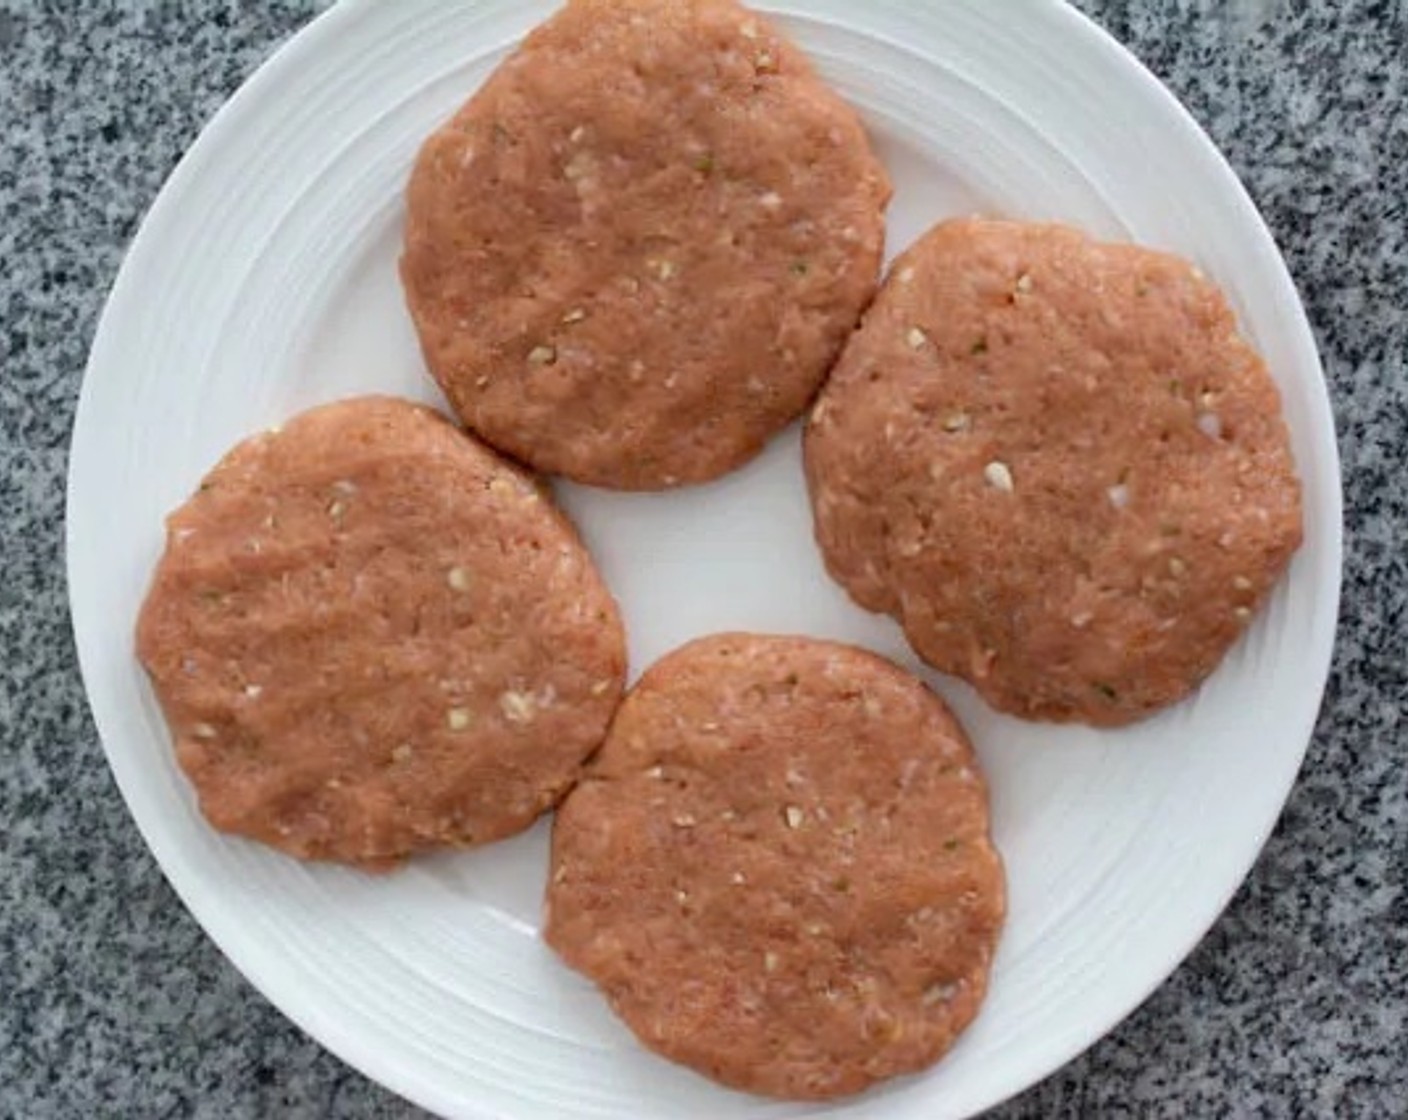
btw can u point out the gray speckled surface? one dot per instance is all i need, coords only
(113, 1003)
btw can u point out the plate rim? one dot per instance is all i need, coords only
(322, 1027)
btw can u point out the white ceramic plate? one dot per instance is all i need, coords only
(263, 281)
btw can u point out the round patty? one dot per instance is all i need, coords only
(633, 255)
(370, 635)
(1058, 465)
(778, 869)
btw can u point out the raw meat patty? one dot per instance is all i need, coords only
(778, 868)
(371, 635)
(634, 253)
(1058, 465)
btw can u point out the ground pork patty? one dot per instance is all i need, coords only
(1058, 464)
(778, 868)
(370, 635)
(632, 256)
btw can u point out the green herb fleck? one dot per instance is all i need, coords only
(1106, 691)
(704, 164)
(981, 346)
(800, 268)
(950, 845)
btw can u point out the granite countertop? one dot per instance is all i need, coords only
(113, 1002)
